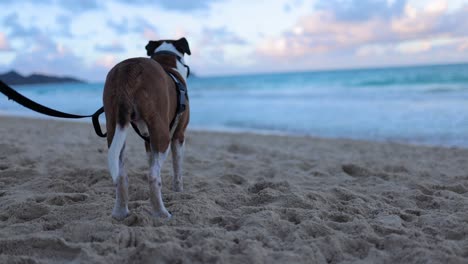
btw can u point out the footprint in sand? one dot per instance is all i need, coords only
(61, 251)
(340, 218)
(63, 199)
(240, 149)
(282, 186)
(234, 178)
(228, 223)
(356, 171)
(28, 211)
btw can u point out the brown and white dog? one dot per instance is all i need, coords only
(139, 90)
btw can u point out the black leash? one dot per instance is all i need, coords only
(28, 103)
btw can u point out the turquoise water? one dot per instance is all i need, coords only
(426, 105)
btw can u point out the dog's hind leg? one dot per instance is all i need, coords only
(149, 154)
(177, 148)
(159, 149)
(116, 161)
(120, 210)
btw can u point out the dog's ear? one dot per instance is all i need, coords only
(152, 46)
(182, 46)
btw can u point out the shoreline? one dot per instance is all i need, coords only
(230, 130)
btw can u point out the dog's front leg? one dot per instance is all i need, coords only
(155, 182)
(177, 148)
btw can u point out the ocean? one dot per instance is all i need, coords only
(422, 105)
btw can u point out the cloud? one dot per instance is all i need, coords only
(215, 47)
(4, 43)
(360, 10)
(372, 50)
(121, 27)
(114, 47)
(46, 56)
(177, 5)
(320, 33)
(50, 57)
(414, 47)
(63, 24)
(70, 5)
(463, 45)
(17, 30)
(79, 6)
(410, 31)
(221, 36)
(106, 62)
(147, 29)
(136, 25)
(415, 22)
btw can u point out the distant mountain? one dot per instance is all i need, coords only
(14, 78)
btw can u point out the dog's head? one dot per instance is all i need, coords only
(179, 46)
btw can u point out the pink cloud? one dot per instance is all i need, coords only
(180, 32)
(4, 43)
(320, 33)
(150, 34)
(419, 21)
(106, 61)
(414, 47)
(463, 45)
(413, 31)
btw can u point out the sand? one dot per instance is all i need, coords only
(247, 199)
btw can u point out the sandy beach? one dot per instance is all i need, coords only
(247, 199)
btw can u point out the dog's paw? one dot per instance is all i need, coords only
(177, 186)
(162, 214)
(120, 213)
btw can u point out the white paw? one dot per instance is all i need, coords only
(120, 214)
(162, 214)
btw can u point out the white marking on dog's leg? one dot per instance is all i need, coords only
(177, 160)
(156, 185)
(120, 210)
(113, 155)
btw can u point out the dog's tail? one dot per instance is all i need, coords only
(124, 106)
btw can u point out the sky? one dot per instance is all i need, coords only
(86, 38)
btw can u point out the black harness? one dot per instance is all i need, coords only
(182, 99)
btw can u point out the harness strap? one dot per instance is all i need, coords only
(28, 103)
